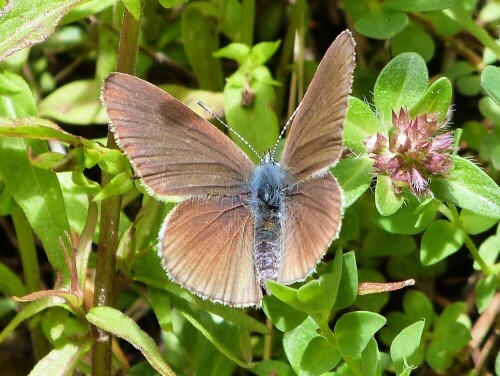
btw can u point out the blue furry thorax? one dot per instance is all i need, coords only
(267, 184)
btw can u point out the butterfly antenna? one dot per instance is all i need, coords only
(283, 131)
(206, 108)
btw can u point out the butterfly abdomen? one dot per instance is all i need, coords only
(266, 203)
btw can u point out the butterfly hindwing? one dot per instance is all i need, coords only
(311, 220)
(206, 246)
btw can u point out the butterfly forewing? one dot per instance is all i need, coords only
(206, 246)
(310, 222)
(174, 151)
(315, 138)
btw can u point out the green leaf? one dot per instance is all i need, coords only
(348, 288)
(371, 359)
(440, 239)
(61, 360)
(464, 18)
(34, 127)
(469, 85)
(283, 316)
(354, 330)
(36, 191)
(85, 9)
(234, 51)
(171, 3)
(468, 186)
(198, 26)
(418, 306)
(490, 109)
(160, 303)
(413, 39)
(268, 367)
(490, 81)
(286, 294)
(263, 51)
(119, 184)
(489, 251)
(437, 98)
(75, 103)
(485, 291)
(453, 323)
(28, 311)
(319, 357)
(26, 23)
(296, 341)
(382, 24)
(360, 123)
(115, 322)
(417, 5)
(354, 177)
(401, 84)
(474, 132)
(379, 243)
(474, 224)
(405, 346)
(387, 200)
(320, 294)
(134, 8)
(223, 336)
(10, 283)
(411, 219)
(256, 123)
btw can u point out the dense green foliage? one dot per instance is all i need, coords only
(79, 258)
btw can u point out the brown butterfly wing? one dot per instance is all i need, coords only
(206, 246)
(311, 220)
(174, 151)
(315, 138)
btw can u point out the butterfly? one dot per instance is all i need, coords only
(238, 225)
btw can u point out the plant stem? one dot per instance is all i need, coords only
(286, 53)
(469, 243)
(110, 216)
(247, 21)
(268, 341)
(31, 273)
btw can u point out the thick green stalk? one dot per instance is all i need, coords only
(247, 21)
(31, 272)
(110, 216)
(286, 53)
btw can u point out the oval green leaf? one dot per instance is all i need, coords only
(387, 201)
(490, 81)
(354, 175)
(283, 317)
(354, 330)
(401, 84)
(468, 186)
(440, 240)
(360, 123)
(75, 103)
(320, 356)
(26, 23)
(382, 24)
(405, 346)
(437, 99)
